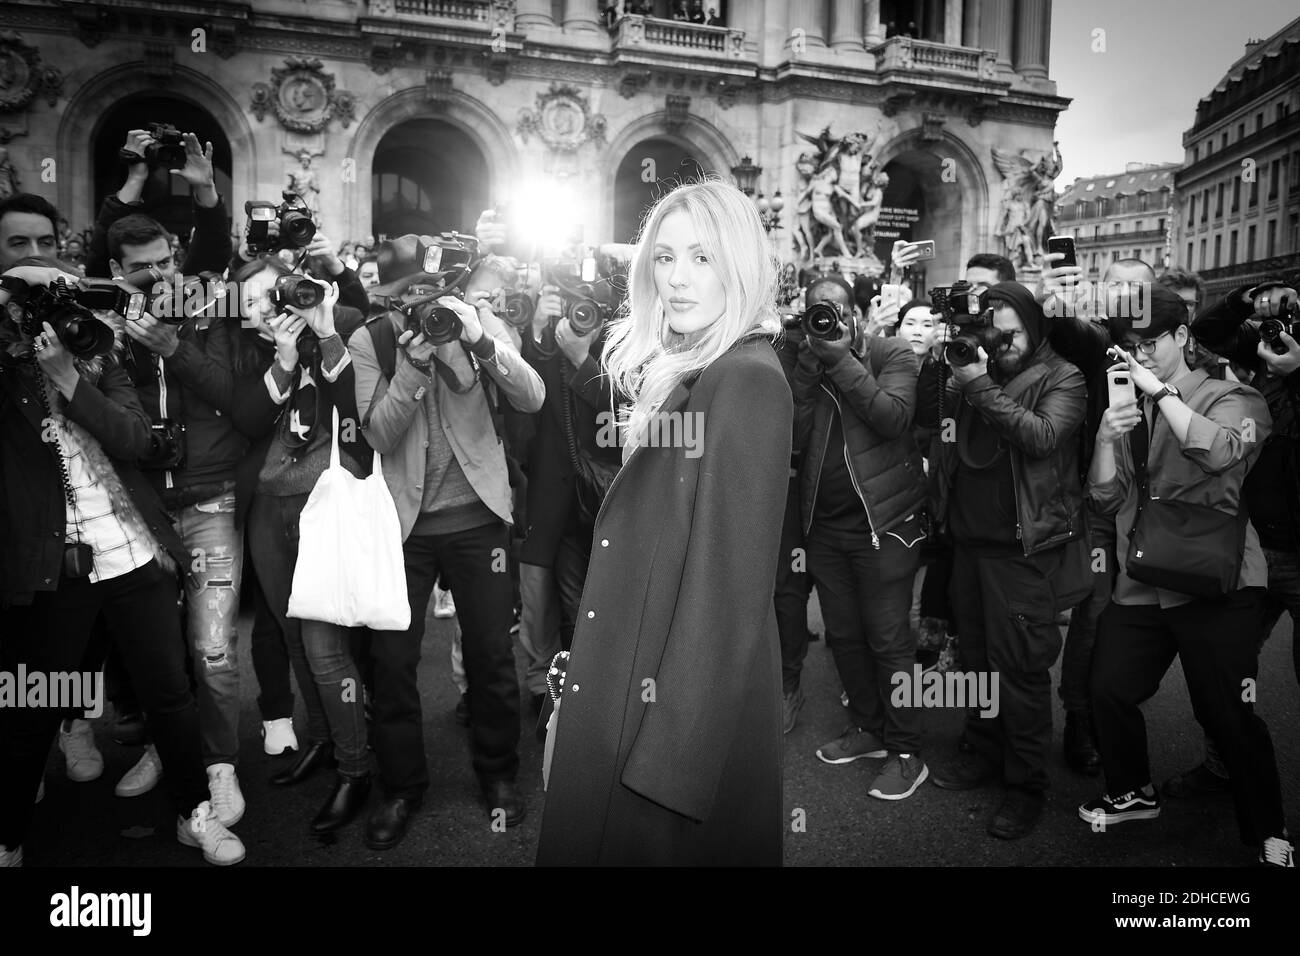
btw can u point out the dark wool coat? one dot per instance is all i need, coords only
(668, 742)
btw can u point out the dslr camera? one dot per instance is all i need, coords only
(296, 225)
(68, 311)
(971, 321)
(448, 259)
(589, 299)
(166, 151)
(821, 320)
(166, 446)
(1271, 329)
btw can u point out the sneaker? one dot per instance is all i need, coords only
(444, 607)
(791, 704)
(143, 777)
(1134, 805)
(278, 736)
(1018, 814)
(966, 772)
(853, 744)
(1277, 851)
(903, 773)
(10, 857)
(203, 830)
(227, 800)
(1200, 781)
(85, 762)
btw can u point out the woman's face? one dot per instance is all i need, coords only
(917, 329)
(255, 300)
(687, 282)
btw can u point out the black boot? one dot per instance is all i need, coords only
(344, 803)
(316, 755)
(1080, 744)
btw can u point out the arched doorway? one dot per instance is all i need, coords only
(166, 197)
(428, 177)
(921, 202)
(649, 169)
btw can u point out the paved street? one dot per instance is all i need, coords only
(86, 825)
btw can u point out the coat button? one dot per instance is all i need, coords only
(574, 689)
(590, 615)
(604, 542)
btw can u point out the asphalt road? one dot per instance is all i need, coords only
(86, 825)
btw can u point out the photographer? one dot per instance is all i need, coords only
(322, 262)
(426, 408)
(862, 489)
(1231, 329)
(1191, 584)
(210, 248)
(82, 535)
(1009, 491)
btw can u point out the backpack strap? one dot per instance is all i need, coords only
(384, 339)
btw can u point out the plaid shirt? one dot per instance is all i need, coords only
(117, 549)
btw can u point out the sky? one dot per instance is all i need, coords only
(1134, 101)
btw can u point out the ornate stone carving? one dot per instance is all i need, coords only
(633, 82)
(301, 179)
(838, 201)
(260, 100)
(223, 39)
(159, 59)
(897, 101)
(438, 87)
(20, 72)
(931, 127)
(561, 119)
(1028, 200)
(383, 53)
(678, 108)
(303, 97)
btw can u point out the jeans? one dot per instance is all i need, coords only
(792, 590)
(212, 600)
(1215, 641)
(866, 599)
(51, 635)
(549, 599)
(269, 653)
(484, 606)
(1283, 595)
(1076, 660)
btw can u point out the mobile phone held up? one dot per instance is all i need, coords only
(1119, 383)
(925, 248)
(1062, 244)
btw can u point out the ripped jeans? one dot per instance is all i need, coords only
(212, 594)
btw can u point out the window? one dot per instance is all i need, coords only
(1281, 113)
(1274, 176)
(1259, 122)
(1254, 191)
(1223, 143)
(1202, 265)
(1191, 210)
(1236, 193)
(1205, 205)
(1114, 255)
(1142, 202)
(1218, 203)
(1094, 262)
(1196, 153)
(1232, 248)
(1270, 239)
(1096, 232)
(1161, 227)
(1080, 209)
(1102, 208)
(1295, 171)
(1119, 227)
(1137, 253)
(1249, 253)
(1241, 131)
(1121, 204)
(1137, 226)
(1189, 255)
(1218, 250)
(1293, 232)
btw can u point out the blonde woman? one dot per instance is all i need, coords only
(668, 745)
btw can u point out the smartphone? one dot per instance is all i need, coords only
(1120, 385)
(891, 295)
(1063, 244)
(926, 249)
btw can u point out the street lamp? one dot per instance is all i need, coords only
(746, 175)
(769, 210)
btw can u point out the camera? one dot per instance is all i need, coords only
(438, 324)
(167, 151)
(78, 329)
(296, 225)
(301, 292)
(1270, 330)
(973, 321)
(821, 320)
(166, 446)
(517, 309)
(589, 300)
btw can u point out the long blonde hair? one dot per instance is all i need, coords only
(644, 358)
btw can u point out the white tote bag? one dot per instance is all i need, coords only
(350, 569)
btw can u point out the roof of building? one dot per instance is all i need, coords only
(1255, 55)
(1150, 179)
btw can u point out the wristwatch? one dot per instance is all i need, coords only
(1165, 391)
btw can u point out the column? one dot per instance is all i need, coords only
(997, 23)
(1046, 40)
(533, 13)
(846, 26)
(875, 29)
(806, 15)
(581, 16)
(952, 23)
(1030, 57)
(970, 24)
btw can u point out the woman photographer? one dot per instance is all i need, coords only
(668, 745)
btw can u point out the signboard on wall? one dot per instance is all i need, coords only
(896, 222)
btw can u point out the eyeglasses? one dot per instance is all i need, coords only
(1148, 346)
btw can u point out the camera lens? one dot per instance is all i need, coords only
(83, 335)
(822, 320)
(584, 316)
(297, 229)
(962, 350)
(518, 310)
(438, 324)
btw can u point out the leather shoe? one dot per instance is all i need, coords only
(1018, 815)
(966, 772)
(504, 795)
(388, 822)
(344, 803)
(1080, 745)
(316, 755)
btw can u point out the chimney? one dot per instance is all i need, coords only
(1252, 46)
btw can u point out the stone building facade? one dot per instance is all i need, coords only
(1120, 216)
(406, 115)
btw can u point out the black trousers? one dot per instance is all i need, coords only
(1005, 609)
(474, 569)
(1217, 643)
(793, 585)
(51, 634)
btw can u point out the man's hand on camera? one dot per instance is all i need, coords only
(285, 329)
(43, 275)
(137, 141)
(158, 337)
(320, 318)
(489, 231)
(417, 349)
(963, 375)
(576, 348)
(830, 352)
(1269, 302)
(321, 255)
(1281, 365)
(471, 328)
(550, 306)
(56, 361)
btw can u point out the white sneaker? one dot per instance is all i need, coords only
(10, 857)
(227, 800)
(1278, 852)
(85, 762)
(444, 606)
(203, 830)
(279, 736)
(143, 777)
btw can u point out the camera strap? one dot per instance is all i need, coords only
(65, 477)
